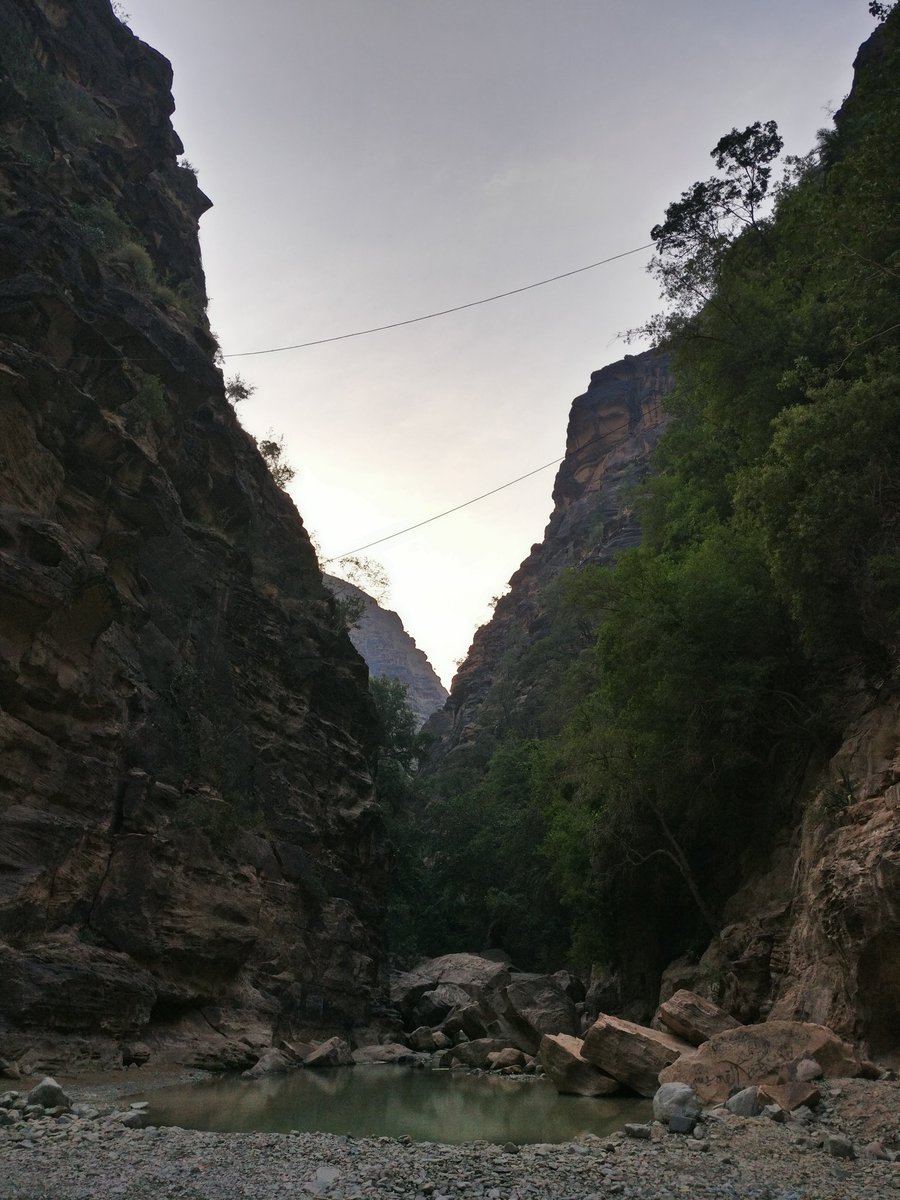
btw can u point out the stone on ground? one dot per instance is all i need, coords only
(675, 1100)
(48, 1094)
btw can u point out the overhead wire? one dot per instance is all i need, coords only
(341, 337)
(475, 499)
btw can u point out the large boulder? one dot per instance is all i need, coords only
(389, 1052)
(631, 1053)
(272, 1062)
(693, 1018)
(757, 1054)
(569, 1072)
(433, 1007)
(333, 1053)
(473, 974)
(539, 1004)
(475, 1054)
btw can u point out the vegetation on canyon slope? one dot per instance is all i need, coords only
(626, 764)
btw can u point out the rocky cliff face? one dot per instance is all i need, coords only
(612, 429)
(378, 634)
(188, 833)
(814, 932)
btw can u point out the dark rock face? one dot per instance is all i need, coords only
(612, 429)
(389, 650)
(186, 800)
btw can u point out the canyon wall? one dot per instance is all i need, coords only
(612, 429)
(380, 637)
(189, 839)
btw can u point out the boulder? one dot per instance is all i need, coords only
(223, 1055)
(633, 1054)
(48, 1094)
(475, 1053)
(510, 1057)
(675, 1100)
(790, 1096)
(539, 1004)
(333, 1053)
(745, 1103)
(295, 1052)
(693, 1018)
(754, 1054)
(272, 1062)
(433, 1007)
(568, 1071)
(390, 1052)
(422, 1039)
(473, 974)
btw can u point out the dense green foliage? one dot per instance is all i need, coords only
(670, 739)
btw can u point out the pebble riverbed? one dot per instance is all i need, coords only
(90, 1154)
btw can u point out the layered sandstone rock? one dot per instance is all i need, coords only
(569, 1071)
(186, 806)
(693, 1018)
(632, 1053)
(612, 429)
(760, 1054)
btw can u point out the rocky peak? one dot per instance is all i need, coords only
(612, 429)
(380, 637)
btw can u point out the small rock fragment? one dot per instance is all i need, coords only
(634, 1130)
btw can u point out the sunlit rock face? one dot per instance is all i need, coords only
(380, 637)
(187, 817)
(612, 429)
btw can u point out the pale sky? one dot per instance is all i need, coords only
(372, 160)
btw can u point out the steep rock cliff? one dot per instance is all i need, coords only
(612, 429)
(813, 933)
(378, 634)
(187, 819)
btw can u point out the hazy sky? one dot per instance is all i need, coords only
(371, 160)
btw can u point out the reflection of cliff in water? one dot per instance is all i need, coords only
(389, 1101)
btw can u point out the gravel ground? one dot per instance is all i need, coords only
(93, 1157)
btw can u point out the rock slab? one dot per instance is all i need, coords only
(633, 1054)
(694, 1018)
(571, 1073)
(755, 1054)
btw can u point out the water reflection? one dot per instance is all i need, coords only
(375, 1101)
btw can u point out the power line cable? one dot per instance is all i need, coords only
(341, 337)
(475, 499)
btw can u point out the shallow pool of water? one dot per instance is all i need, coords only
(377, 1101)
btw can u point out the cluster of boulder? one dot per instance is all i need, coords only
(479, 1012)
(46, 1113)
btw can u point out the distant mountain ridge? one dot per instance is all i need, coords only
(390, 652)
